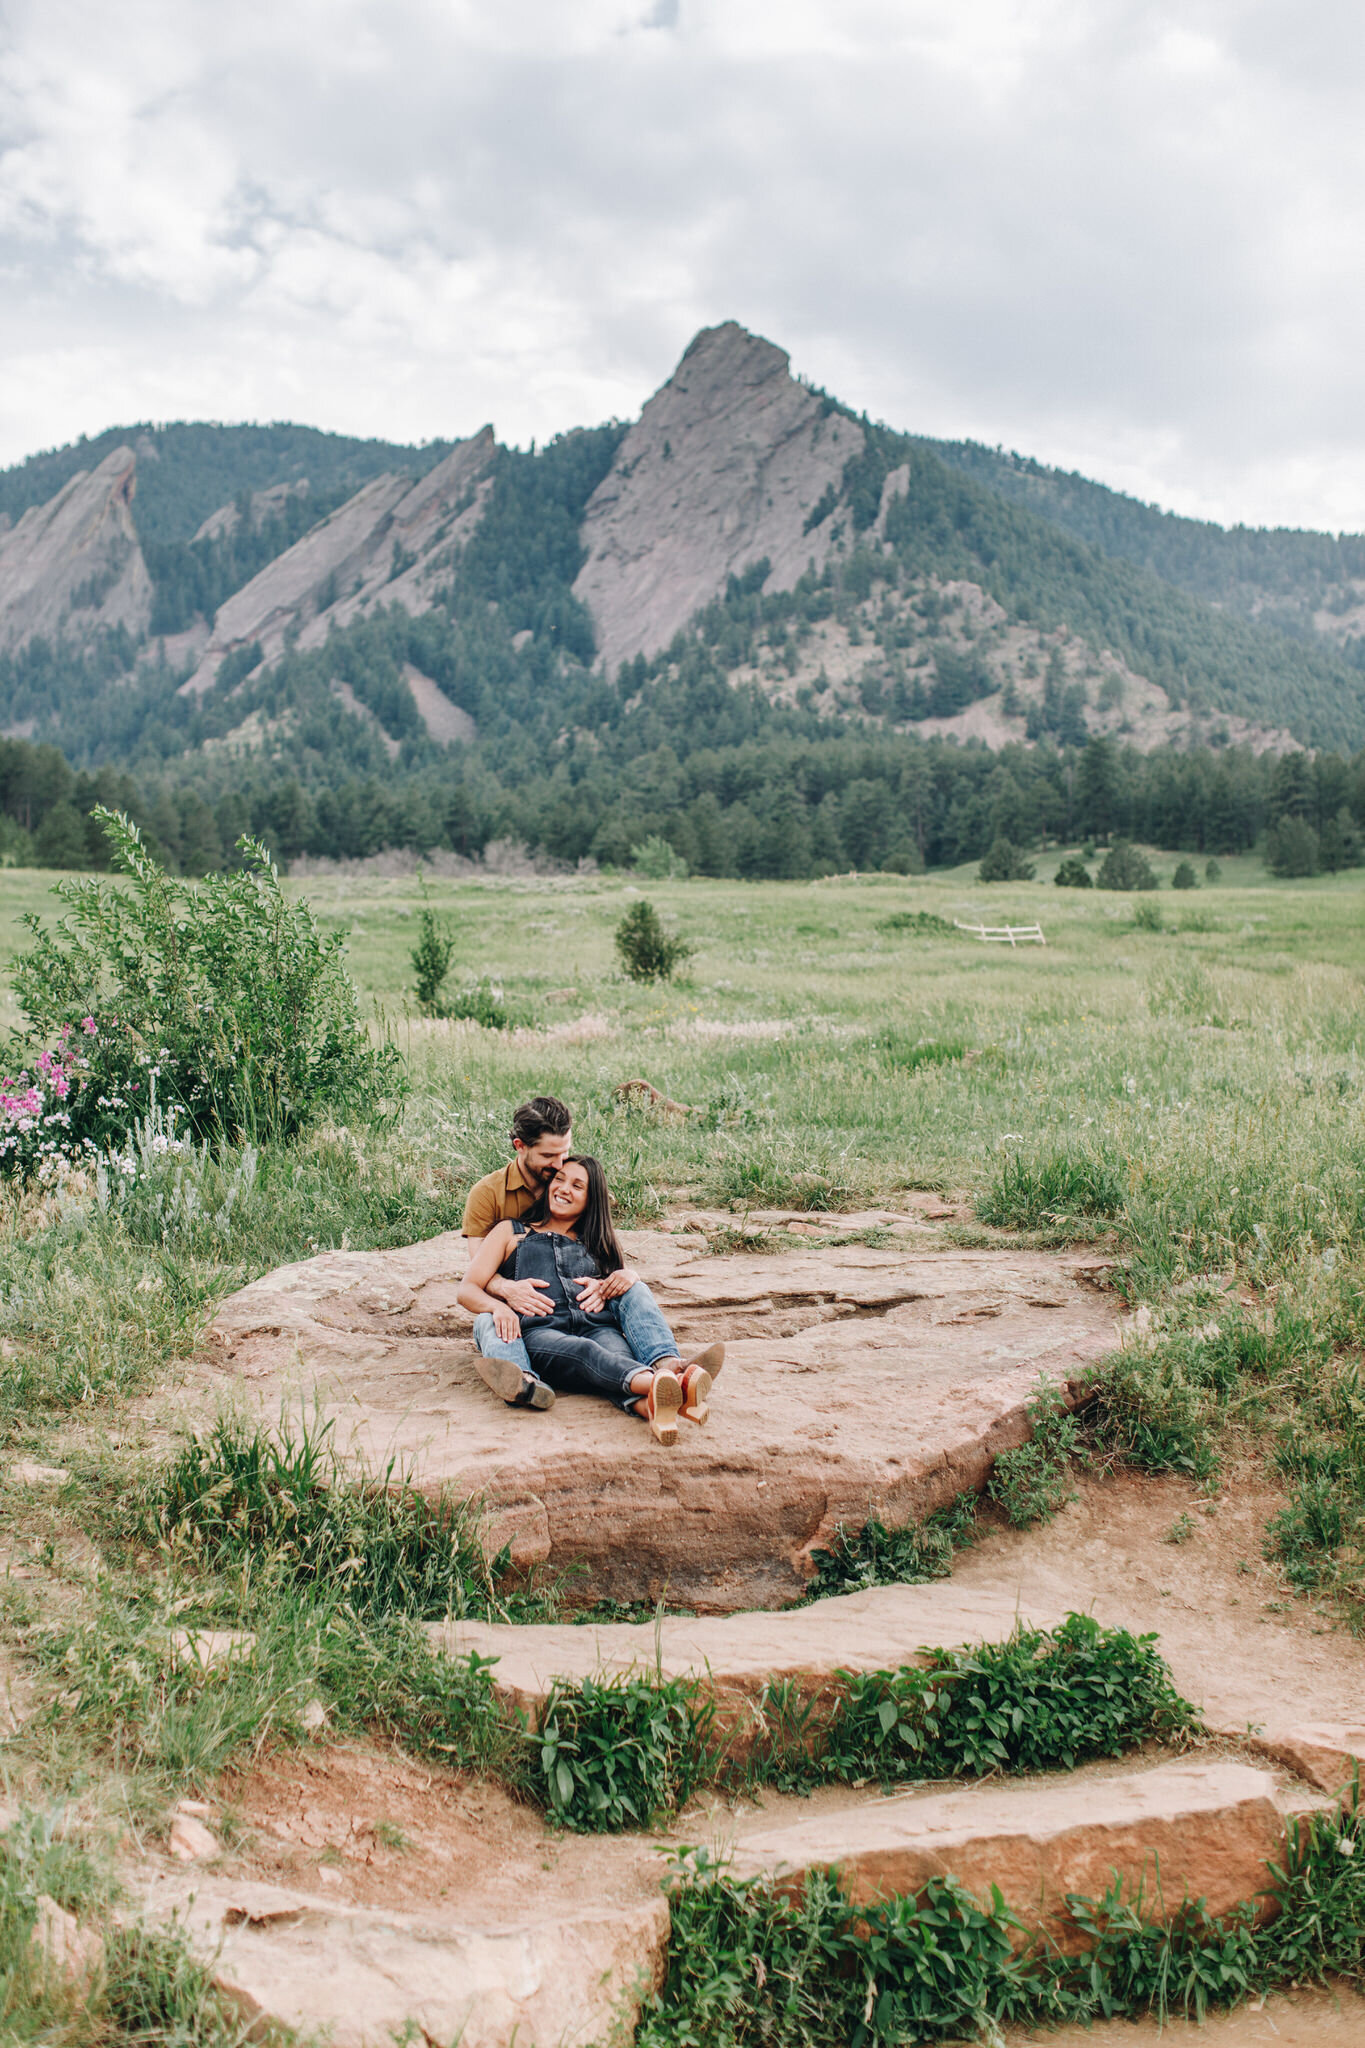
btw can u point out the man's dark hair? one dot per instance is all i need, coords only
(542, 1114)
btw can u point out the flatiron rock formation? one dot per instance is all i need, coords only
(394, 542)
(74, 565)
(858, 1383)
(726, 466)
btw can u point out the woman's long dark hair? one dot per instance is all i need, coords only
(593, 1228)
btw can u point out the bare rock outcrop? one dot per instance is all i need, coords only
(1181, 1831)
(74, 565)
(394, 542)
(726, 465)
(858, 1383)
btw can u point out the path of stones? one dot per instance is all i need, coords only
(857, 1381)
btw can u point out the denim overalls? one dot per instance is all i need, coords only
(573, 1350)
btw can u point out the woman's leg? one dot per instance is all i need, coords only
(603, 1364)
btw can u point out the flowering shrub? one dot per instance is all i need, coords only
(222, 995)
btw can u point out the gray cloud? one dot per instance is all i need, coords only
(1121, 238)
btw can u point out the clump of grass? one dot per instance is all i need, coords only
(908, 1054)
(913, 921)
(876, 1556)
(1032, 1483)
(1053, 1189)
(773, 1175)
(128, 1687)
(285, 1507)
(622, 1752)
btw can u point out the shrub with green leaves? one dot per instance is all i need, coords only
(1185, 876)
(876, 1556)
(655, 859)
(222, 991)
(430, 959)
(1125, 866)
(621, 1752)
(1005, 863)
(1072, 873)
(1032, 1482)
(647, 951)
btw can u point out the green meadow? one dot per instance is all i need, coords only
(1173, 1079)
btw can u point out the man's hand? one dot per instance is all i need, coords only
(527, 1297)
(506, 1324)
(595, 1294)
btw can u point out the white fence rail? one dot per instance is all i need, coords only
(1005, 934)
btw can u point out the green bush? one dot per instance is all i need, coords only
(1125, 867)
(1032, 1482)
(1147, 917)
(478, 1004)
(222, 992)
(621, 1752)
(655, 859)
(1005, 863)
(876, 1556)
(1072, 873)
(647, 951)
(430, 959)
(1185, 876)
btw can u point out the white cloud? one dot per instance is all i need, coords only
(1121, 238)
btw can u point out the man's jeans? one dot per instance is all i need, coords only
(638, 1313)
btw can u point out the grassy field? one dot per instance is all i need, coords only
(1188, 1091)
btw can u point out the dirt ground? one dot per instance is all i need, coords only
(1248, 1651)
(1332, 2018)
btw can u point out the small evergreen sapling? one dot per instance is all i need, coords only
(647, 951)
(430, 959)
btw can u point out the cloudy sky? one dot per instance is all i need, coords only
(1123, 235)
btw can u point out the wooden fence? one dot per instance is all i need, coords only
(1005, 934)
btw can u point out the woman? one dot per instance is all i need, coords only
(567, 1242)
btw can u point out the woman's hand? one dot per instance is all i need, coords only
(505, 1323)
(595, 1294)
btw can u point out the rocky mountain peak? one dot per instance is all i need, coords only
(723, 469)
(74, 565)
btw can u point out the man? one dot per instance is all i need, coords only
(541, 1138)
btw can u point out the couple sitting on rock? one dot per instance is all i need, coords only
(556, 1308)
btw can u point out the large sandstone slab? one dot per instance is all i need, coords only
(1194, 1830)
(74, 566)
(362, 1975)
(736, 1655)
(859, 1383)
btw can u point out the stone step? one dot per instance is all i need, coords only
(860, 1383)
(735, 1656)
(1190, 1830)
(361, 1975)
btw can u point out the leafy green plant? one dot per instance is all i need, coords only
(618, 1753)
(876, 1556)
(1147, 917)
(647, 951)
(655, 859)
(1185, 876)
(1125, 866)
(431, 958)
(1025, 1193)
(1005, 863)
(480, 1003)
(223, 992)
(1033, 1482)
(1072, 873)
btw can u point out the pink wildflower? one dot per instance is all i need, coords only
(60, 1084)
(89, 1026)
